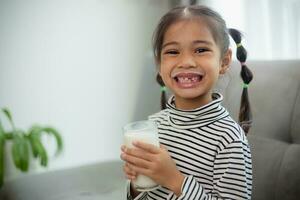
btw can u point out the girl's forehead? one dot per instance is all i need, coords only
(195, 27)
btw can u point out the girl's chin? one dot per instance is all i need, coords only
(188, 91)
(191, 94)
(187, 86)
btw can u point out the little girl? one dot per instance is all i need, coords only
(204, 153)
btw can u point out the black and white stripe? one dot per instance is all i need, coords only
(209, 148)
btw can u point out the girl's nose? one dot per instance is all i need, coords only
(186, 60)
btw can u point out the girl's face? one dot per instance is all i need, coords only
(191, 63)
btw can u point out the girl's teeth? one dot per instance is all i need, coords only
(188, 80)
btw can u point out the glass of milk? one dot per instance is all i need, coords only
(144, 131)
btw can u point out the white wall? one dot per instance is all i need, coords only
(271, 28)
(78, 66)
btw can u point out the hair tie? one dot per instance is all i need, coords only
(243, 63)
(163, 88)
(238, 45)
(245, 85)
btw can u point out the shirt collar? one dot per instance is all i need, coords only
(202, 116)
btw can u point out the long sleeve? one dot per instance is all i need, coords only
(232, 176)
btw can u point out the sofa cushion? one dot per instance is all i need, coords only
(288, 182)
(295, 125)
(267, 157)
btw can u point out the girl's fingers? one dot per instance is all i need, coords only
(135, 161)
(130, 177)
(140, 170)
(128, 170)
(146, 147)
(129, 173)
(140, 153)
(123, 148)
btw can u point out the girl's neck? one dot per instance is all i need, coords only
(193, 103)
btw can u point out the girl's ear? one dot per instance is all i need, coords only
(226, 60)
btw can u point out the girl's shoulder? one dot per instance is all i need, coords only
(231, 129)
(159, 116)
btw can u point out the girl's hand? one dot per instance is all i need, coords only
(153, 162)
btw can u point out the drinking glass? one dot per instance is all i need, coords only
(144, 131)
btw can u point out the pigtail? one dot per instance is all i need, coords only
(163, 99)
(245, 115)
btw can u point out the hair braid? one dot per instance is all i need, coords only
(245, 115)
(163, 99)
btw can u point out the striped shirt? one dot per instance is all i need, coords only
(209, 148)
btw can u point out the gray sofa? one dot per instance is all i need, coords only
(275, 135)
(274, 140)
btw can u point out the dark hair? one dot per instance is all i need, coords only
(220, 34)
(245, 116)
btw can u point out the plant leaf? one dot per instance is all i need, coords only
(34, 128)
(41, 151)
(38, 148)
(20, 151)
(24, 153)
(9, 116)
(33, 146)
(57, 136)
(34, 134)
(15, 151)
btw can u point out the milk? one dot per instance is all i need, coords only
(144, 131)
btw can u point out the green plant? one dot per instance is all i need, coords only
(22, 141)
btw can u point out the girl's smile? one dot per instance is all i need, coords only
(187, 79)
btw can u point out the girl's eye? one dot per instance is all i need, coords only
(201, 50)
(172, 52)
